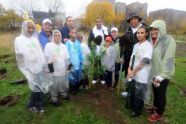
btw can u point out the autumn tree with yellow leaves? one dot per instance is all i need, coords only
(99, 9)
(118, 19)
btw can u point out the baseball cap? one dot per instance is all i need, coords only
(114, 29)
(47, 20)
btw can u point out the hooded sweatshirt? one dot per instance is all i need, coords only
(163, 57)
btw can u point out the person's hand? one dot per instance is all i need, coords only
(121, 61)
(156, 82)
(133, 73)
(130, 74)
(69, 67)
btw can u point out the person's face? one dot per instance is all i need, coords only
(114, 34)
(47, 27)
(30, 28)
(134, 22)
(57, 37)
(141, 34)
(107, 43)
(70, 22)
(73, 33)
(80, 37)
(98, 23)
(154, 32)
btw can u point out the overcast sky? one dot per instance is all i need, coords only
(77, 7)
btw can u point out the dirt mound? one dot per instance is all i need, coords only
(9, 100)
(103, 102)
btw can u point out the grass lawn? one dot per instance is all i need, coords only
(85, 107)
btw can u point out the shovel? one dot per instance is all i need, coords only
(130, 88)
(120, 79)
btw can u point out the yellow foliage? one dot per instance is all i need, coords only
(149, 20)
(99, 9)
(119, 17)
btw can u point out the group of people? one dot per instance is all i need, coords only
(146, 54)
(149, 64)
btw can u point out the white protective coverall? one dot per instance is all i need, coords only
(57, 54)
(31, 60)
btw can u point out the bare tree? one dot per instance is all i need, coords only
(24, 6)
(54, 5)
(2, 10)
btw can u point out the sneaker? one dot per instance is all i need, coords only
(42, 111)
(33, 109)
(102, 82)
(134, 114)
(124, 94)
(154, 117)
(56, 104)
(94, 82)
(150, 110)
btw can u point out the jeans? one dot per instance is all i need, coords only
(37, 99)
(74, 86)
(138, 105)
(108, 78)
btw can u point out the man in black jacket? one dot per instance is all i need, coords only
(129, 38)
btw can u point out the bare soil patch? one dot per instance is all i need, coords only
(9, 100)
(103, 102)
